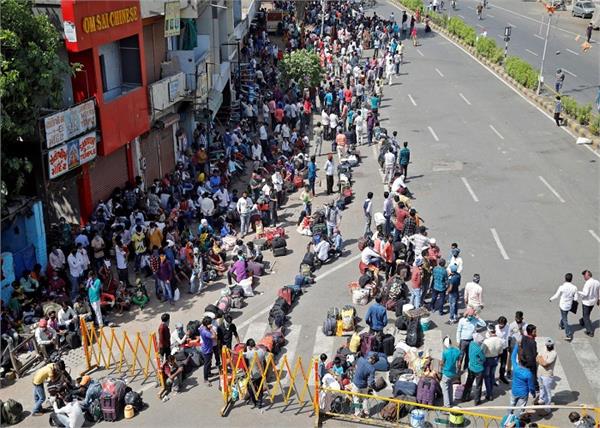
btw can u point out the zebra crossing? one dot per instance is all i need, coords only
(299, 339)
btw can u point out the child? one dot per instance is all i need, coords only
(140, 296)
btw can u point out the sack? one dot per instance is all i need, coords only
(246, 285)
(380, 384)
(414, 333)
(405, 388)
(236, 291)
(574, 306)
(278, 242)
(362, 243)
(134, 399)
(366, 343)
(278, 340)
(285, 293)
(426, 390)
(279, 252)
(12, 412)
(329, 326)
(458, 391)
(388, 413)
(387, 344)
(395, 291)
(360, 296)
(305, 270)
(176, 295)
(348, 314)
(192, 329)
(73, 340)
(401, 322)
(224, 304)
(267, 342)
(214, 310)
(354, 343)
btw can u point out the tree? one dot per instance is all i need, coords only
(302, 66)
(31, 79)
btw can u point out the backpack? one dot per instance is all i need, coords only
(414, 333)
(366, 343)
(388, 413)
(380, 384)
(281, 303)
(192, 329)
(12, 412)
(94, 411)
(348, 313)
(135, 400)
(237, 302)
(277, 317)
(224, 304)
(286, 294)
(426, 390)
(73, 340)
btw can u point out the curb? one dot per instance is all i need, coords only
(547, 106)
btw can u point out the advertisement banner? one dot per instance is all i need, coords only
(172, 19)
(67, 124)
(71, 155)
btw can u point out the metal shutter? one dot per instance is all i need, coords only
(167, 151)
(108, 172)
(149, 151)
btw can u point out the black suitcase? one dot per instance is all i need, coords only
(278, 242)
(279, 252)
(388, 344)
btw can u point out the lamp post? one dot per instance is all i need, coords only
(550, 10)
(507, 31)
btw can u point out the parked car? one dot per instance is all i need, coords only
(584, 9)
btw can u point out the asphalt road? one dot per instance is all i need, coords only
(528, 20)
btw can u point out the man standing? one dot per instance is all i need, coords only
(546, 360)
(416, 275)
(364, 377)
(244, 207)
(367, 210)
(94, 287)
(492, 348)
(588, 32)
(388, 210)
(164, 337)
(475, 369)
(450, 368)
(329, 170)
(312, 174)
(522, 383)
(75, 271)
(439, 287)
(404, 160)
(453, 291)
(359, 123)
(389, 160)
(318, 138)
(557, 110)
(376, 317)
(208, 335)
(464, 333)
(590, 296)
(528, 352)
(474, 294)
(568, 295)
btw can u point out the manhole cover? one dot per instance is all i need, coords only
(447, 166)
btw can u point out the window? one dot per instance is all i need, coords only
(120, 67)
(130, 61)
(103, 72)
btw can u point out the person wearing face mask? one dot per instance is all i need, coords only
(464, 333)
(94, 287)
(476, 366)
(164, 274)
(164, 336)
(455, 259)
(75, 271)
(57, 259)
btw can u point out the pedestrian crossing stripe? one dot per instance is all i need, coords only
(432, 345)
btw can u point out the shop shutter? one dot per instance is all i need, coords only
(149, 149)
(167, 150)
(108, 172)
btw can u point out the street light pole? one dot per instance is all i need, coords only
(541, 76)
(507, 31)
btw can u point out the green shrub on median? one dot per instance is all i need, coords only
(465, 32)
(488, 49)
(595, 124)
(521, 71)
(412, 4)
(583, 113)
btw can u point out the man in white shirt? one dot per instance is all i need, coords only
(419, 241)
(325, 123)
(568, 294)
(369, 256)
(256, 151)
(75, 272)
(329, 170)
(474, 294)
(222, 195)
(389, 159)
(277, 180)
(244, 207)
(322, 250)
(368, 210)
(359, 122)
(590, 296)
(67, 317)
(70, 415)
(333, 123)
(57, 259)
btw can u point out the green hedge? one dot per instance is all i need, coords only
(465, 32)
(583, 113)
(595, 124)
(441, 20)
(412, 4)
(487, 48)
(521, 71)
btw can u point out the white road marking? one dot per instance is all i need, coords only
(532, 19)
(419, 52)
(538, 36)
(460, 16)
(568, 72)
(588, 361)
(412, 100)
(496, 132)
(323, 344)
(435, 137)
(464, 98)
(531, 52)
(573, 52)
(439, 72)
(499, 244)
(256, 331)
(543, 180)
(595, 235)
(292, 337)
(470, 190)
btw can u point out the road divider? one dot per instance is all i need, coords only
(543, 180)
(499, 244)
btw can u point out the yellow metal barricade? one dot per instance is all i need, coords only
(109, 349)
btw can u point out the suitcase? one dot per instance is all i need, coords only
(111, 399)
(278, 242)
(329, 326)
(279, 252)
(286, 294)
(388, 343)
(366, 343)
(281, 303)
(380, 384)
(458, 391)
